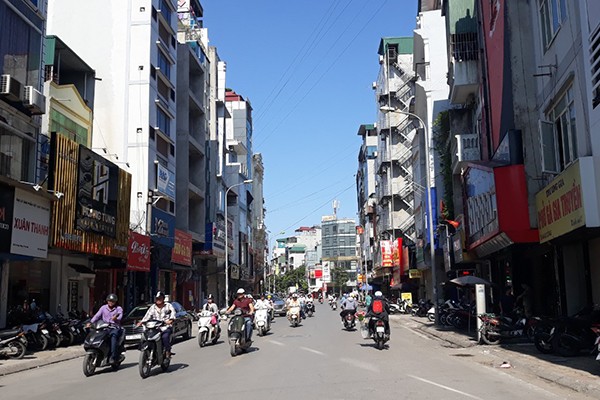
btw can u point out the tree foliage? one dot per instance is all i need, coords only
(339, 277)
(441, 138)
(291, 278)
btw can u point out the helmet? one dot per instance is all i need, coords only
(241, 291)
(160, 294)
(112, 297)
(294, 294)
(378, 293)
(209, 297)
(269, 296)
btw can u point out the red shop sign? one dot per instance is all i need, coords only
(182, 251)
(138, 252)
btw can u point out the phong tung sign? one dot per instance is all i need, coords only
(561, 205)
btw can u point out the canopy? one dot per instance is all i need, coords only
(469, 280)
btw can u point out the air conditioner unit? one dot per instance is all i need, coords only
(34, 100)
(10, 88)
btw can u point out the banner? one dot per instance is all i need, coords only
(165, 181)
(386, 253)
(97, 194)
(7, 201)
(138, 254)
(31, 225)
(182, 251)
(163, 227)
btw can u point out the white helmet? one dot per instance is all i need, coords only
(241, 291)
(378, 293)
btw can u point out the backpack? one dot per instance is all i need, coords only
(378, 306)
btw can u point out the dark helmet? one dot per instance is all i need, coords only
(112, 297)
(210, 297)
(160, 294)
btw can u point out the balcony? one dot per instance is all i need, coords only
(466, 148)
(463, 76)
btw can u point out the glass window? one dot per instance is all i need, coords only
(64, 125)
(16, 156)
(552, 14)
(559, 135)
(164, 64)
(163, 121)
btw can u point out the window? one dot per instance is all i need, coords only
(552, 14)
(164, 65)
(163, 121)
(559, 135)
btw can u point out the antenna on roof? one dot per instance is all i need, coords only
(336, 205)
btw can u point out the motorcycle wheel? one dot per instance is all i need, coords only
(232, 349)
(380, 344)
(188, 332)
(543, 343)
(67, 339)
(18, 349)
(431, 317)
(202, 339)
(144, 365)
(89, 364)
(489, 338)
(165, 364)
(562, 347)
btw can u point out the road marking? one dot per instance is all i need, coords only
(313, 351)
(415, 332)
(276, 342)
(445, 387)
(360, 364)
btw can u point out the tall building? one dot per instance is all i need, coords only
(338, 238)
(259, 244)
(135, 112)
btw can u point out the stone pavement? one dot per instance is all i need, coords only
(523, 360)
(39, 359)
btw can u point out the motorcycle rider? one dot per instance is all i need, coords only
(379, 302)
(210, 306)
(111, 313)
(272, 309)
(246, 305)
(349, 306)
(311, 301)
(262, 303)
(294, 302)
(162, 311)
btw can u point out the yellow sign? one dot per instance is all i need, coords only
(406, 296)
(414, 273)
(560, 206)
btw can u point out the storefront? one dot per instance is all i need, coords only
(162, 276)
(186, 291)
(209, 258)
(138, 270)
(568, 217)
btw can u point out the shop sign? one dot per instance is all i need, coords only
(326, 272)
(457, 247)
(406, 296)
(7, 200)
(235, 272)
(415, 273)
(165, 182)
(560, 205)
(138, 254)
(97, 194)
(31, 225)
(482, 210)
(182, 250)
(318, 273)
(163, 227)
(386, 253)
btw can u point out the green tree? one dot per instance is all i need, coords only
(339, 277)
(291, 278)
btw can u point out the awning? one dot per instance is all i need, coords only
(83, 270)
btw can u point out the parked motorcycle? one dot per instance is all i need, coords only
(262, 321)
(378, 335)
(495, 328)
(237, 335)
(208, 328)
(152, 352)
(576, 334)
(37, 336)
(422, 308)
(13, 343)
(310, 308)
(294, 316)
(97, 349)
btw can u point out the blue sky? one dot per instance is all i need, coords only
(307, 67)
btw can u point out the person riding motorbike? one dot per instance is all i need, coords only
(246, 305)
(379, 303)
(349, 306)
(272, 305)
(294, 302)
(310, 300)
(213, 308)
(111, 313)
(262, 303)
(162, 311)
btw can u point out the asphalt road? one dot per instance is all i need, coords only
(317, 359)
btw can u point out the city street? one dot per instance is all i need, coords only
(318, 358)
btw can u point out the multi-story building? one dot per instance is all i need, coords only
(259, 243)
(192, 94)
(430, 100)
(338, 240)
(24, 273)
(135, 115)
(394, 91)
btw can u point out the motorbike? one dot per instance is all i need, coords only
(310, 308)
(36, 335)
(349, 321)
(97, 348)
(262, 321)
(294, 316)
(494, 328)
(237, 335)
(421, 309)
(152, 352)
(576, 334)
(13, 343)
(208, 330)
(333, 305)
(378, 335)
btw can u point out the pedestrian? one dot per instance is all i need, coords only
(507, 301)
(526, 299)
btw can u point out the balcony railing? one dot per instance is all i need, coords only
(464, 46)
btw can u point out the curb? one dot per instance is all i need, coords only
(24, 365)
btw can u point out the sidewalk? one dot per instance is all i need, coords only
(580, 374)
(39, 359)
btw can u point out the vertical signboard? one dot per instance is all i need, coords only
(7, 199)
(182, 250)
(31, 225)
(386, 253)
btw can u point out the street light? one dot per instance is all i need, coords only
(429, 203)
(227, 241)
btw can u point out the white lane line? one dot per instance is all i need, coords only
(313, 351)
(445, 387)
(360, 364)
(415, 332)
(276, 342)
